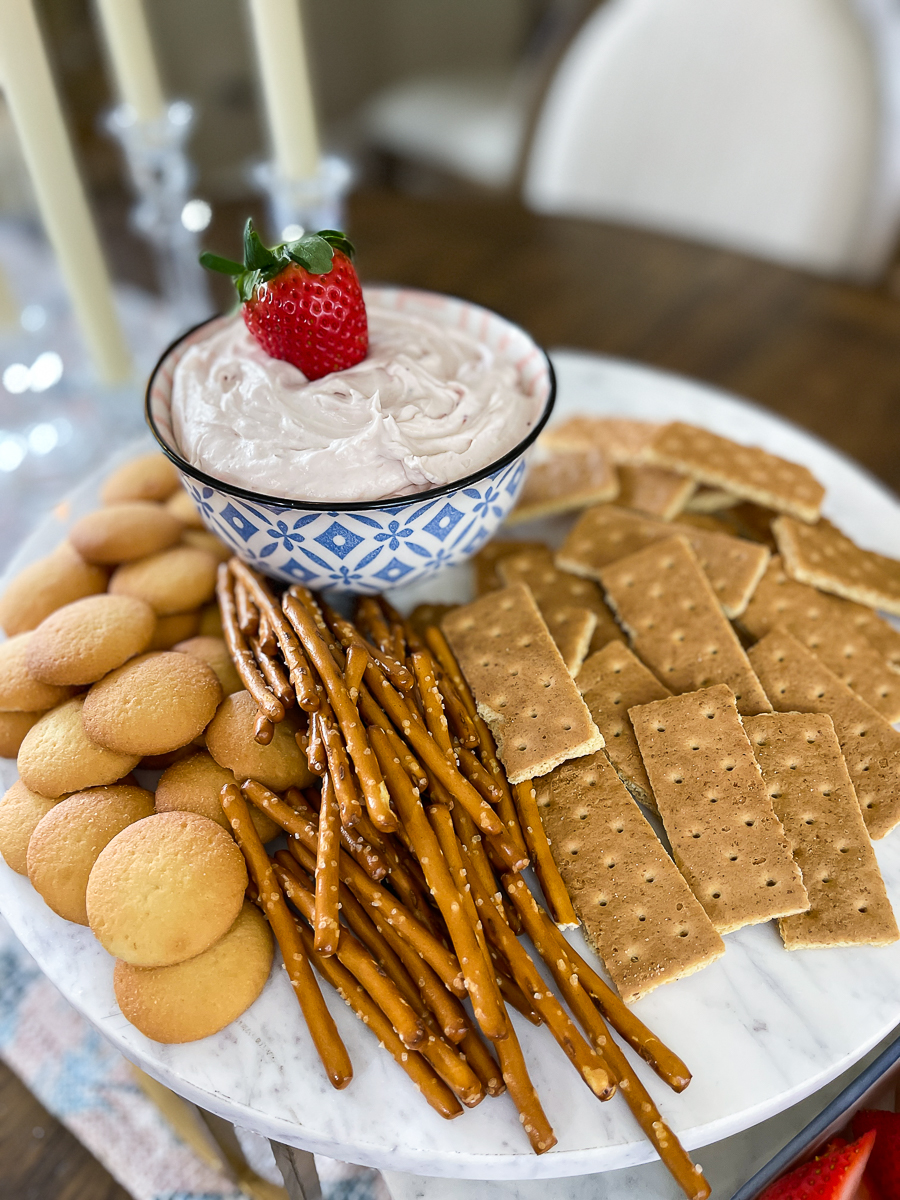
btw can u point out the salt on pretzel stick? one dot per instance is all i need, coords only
(273, 673)
(264, 730)
(521, 1090)
(242, 656)
(479, 867)
(386, 945)
(315, 747)
(461, 724)
(330, 1048)
(410, 763)
(555, 892)
(432, 702)
(247, 612)
(267, 639)
(395, 913)
(478, 775)
(347, 633)
(477, 970)
(357, 661)
(309, 804)
(339, 767)
(405, 878)
(298, 667)
(326, 920)
(667, 1065)
(370, 779)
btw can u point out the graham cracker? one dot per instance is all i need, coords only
(637, 911)
(753, 521)
(746, 471)
(797, 681)
(622, 439)
(612, 681)
(807, 780)
(484, 563)
(707, 499)
(520, 682)
(725, 836)
(821, 623)
(822, 556)
(712, 522)
(883, 636)
(571, 628)
(665, 603)
(654, 490)
(607, 533)
(565, 482)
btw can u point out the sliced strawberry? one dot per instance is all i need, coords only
(884, 1165)
(834, 1176)
(302, 300)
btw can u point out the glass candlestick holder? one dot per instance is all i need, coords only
(298, 206)
(165, 213)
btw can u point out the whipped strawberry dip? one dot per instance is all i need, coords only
(429, 405)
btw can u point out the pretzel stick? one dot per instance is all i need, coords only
(356, 846)
(339, 767)
(264, 730)
(357, 661)
(514, 997)
(479, 776)
(396, 956)
(319, 1021)
(273, 673)
(478, 973)
(247, 612)
(461, 724)
(479, 867)
(242, 656)
(315, 747)
(432, 704)
(267, 639)
(326, 922)
(411, 764)
(401, 643)
(404, 877)
(395, 913)
(369, 776)
(521, 1090)
(347, 634)
(298, 667)
(370, 619)
(555, 892)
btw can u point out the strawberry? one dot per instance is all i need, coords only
(834, 1176)
(884, 1165)
(301, 300)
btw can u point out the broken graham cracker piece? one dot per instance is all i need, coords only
(665, 602)
(725, 836)
(485, 561)
(806, 777)
(710, 500)
(636, 909)
(607, 533)
(622, 439)
(571, 628)
(521, 686)
(797, 681)
(746, 471)
(822, 556)
(825, 625)
(654, 490)
(564, 482)
(612, 681)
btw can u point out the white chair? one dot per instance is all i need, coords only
(767, 126)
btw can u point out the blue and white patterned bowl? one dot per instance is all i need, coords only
(369, 546)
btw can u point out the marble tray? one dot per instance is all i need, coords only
(760, 1028)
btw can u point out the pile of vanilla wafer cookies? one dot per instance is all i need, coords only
(725, 667)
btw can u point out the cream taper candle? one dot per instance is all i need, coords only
(33, 103)
(127, 37)
(284, 72)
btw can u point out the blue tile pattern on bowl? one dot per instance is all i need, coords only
(361, 551)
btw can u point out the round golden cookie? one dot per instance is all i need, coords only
(155, 703)
(124, 532)
(173, 581)
(202, 539)
(195, 784)
(19, 690)
(57, 756)
(214, 652)
(83, 641)
(197, 998)
(150, 477)
(230, 740)
(67, 841)
(173, 629)
(165, 889)
(47, 585)
(13, 727)
(181, 505)
(20, 812)
(210, 621)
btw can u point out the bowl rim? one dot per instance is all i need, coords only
(387, 502)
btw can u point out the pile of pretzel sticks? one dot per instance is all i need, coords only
(401, 883)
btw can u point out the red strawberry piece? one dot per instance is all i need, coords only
(884, 1165)
(833, 1176)
(302, 300)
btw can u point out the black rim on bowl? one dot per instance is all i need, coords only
(389, 502)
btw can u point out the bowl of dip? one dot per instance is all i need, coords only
(373, 476)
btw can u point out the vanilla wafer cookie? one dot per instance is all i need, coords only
(612, 681)
(637, 911)
(484, 563)
(520, 683)
(607, 533)
(565, 482)
(622, 439)
(665, 603)
(822, 556)
(797, 681)
(746, 471)
(654, 490)
(807, 780)
(725, 836)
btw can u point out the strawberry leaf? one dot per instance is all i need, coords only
(311, 252)
(257, 257)
(215, 262)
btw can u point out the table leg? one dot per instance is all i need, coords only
(301, 1179)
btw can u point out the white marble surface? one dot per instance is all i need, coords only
(760, 1028)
